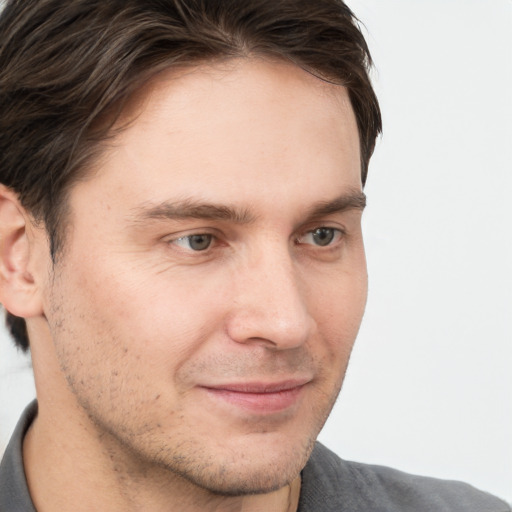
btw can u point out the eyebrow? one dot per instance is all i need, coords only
(352, 200)
(194, 209)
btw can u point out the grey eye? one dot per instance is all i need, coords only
(199, 242)
(323, 236)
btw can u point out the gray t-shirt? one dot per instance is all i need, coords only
(329, 484)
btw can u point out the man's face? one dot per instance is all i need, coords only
(213, 280)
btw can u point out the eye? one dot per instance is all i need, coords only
(321, 237)
(199, 242)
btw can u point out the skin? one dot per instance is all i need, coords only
(163, 366)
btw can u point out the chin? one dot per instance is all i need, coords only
(258, 470)
(247, 480)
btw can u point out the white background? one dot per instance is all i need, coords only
(429, 386)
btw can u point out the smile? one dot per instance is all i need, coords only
(259, 398)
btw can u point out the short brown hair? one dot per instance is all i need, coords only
(67, 66)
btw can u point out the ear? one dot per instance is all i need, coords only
(19, 290)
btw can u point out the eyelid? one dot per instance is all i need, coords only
(339, 235)
(172, 239)
(189, 239)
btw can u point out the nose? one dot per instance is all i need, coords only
(269, 303)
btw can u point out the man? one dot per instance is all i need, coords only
(182, 190)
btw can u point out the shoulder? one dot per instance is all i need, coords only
(332, 484)
(14, 493)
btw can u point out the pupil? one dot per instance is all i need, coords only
(200, 242)
(323, 236)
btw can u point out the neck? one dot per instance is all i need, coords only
(67, 472)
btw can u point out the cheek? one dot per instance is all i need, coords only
(338, 307)
(161, 317)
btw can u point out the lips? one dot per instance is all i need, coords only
(259, 397)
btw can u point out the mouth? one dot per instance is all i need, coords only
(259, 397)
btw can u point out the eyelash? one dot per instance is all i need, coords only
(337, 236)
(198, 236)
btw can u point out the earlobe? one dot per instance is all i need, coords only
(19, 292)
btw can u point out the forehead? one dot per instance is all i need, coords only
(258, 78)
(240, 129)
